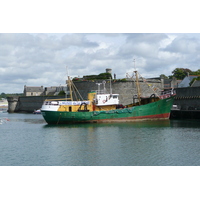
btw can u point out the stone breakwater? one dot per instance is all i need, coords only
(27, 104)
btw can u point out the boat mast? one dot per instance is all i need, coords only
(137, 84)
(138, 87)
(70, 88)
(110, 87)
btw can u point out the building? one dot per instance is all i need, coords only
(33, 91)
(171, 83)
(186, 81)
(41, 91)
(196, 83)
(50, 91)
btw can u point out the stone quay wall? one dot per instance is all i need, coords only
(126, 90)
(27, 104)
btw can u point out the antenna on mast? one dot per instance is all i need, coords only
(137, 84)
(134, 64)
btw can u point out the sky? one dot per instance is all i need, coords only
(41, 45)
(43, 59)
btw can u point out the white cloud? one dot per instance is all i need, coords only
(184, 45)
(41, 59)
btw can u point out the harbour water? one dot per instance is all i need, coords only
(26, 140)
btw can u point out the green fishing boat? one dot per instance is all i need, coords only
(105, 107)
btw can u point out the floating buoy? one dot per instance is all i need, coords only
(4, 120)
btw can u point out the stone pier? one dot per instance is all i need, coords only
(27, 104)
(12, 104)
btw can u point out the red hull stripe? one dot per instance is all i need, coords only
(158, 116)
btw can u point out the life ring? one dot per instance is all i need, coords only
(153, 96)
(104, 101)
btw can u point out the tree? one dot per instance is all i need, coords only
(61, 93)
(180, 73)
(163, 76)
(104, 76)
(3, 95)
(195, 72)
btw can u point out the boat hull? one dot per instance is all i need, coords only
(153, 111)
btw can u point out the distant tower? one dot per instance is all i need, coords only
(108, 70)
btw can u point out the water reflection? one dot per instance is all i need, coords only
(109, 143)
(144, 143)
(136, 124)
(193, 123)
(28, 140)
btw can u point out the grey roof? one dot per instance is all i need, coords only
(191, 77)
(33, 89)
(51, 89)
(186, 81)
(196, 84)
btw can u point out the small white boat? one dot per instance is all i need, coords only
(37, 111)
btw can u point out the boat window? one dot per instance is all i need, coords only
(54, 103)
(70, 109)
(46, 103)
(115, 96)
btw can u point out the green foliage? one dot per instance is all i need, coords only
(90, 77)
(180, 73)
(122, 80)
(4, 95)
(195, 72)
(94, 77)
(61, 93)
(170, 77)
(76, 79)
(104, 76)
(163, 76)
